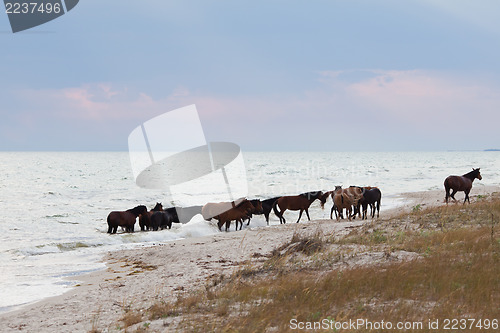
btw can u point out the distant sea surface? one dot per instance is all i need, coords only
(54, 204)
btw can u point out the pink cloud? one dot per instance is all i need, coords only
(419, 97)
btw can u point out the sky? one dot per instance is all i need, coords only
(318, 75)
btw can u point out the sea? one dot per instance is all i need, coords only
(54, 204)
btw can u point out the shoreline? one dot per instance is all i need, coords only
(136, 277)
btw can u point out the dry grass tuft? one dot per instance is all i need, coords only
(131, 318)
(306, 244)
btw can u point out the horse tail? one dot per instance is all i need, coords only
(378, 206)
(275, 209)
(447, 188)
(110, 228)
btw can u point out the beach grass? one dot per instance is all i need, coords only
(429, 264)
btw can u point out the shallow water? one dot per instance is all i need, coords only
(55, 204)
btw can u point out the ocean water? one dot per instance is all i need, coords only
(55, 204)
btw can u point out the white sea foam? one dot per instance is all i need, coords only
(55, 204)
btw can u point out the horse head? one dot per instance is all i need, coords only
(477, 173)
(140, 210)
(324, 197)
(320, 196)
(258, 206)
(158, 207)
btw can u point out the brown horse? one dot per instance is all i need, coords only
(345, 199)
(145, 219)
(461, 183)
(125, 219)
(297, 202)
(237, 213)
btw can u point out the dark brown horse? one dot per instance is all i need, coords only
(257, 210)
(461, 183)
(125, 219)
(297, 202)
(145, 219)
(371, 197)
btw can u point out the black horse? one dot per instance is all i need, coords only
(461, 183)
(371, 197)
(163, 219)
(267, 207)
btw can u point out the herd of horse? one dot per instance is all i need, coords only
(355, 200)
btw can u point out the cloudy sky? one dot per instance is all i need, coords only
(276, 75)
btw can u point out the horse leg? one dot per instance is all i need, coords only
(300, 214)
(307, 213)
(282, 217)
(267, 217)
(348, 211)
(331, 212)
(466, 196)
(378, 209)
(453, 194)
(353, 215)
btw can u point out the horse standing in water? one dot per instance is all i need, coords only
(145, 219)
(297, 202)
(461, 183)
(125, 219)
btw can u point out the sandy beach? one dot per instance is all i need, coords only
(135, 279)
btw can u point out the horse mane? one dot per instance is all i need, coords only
(241, 203)
(308, 195)
(472, 174)
(138, 210)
